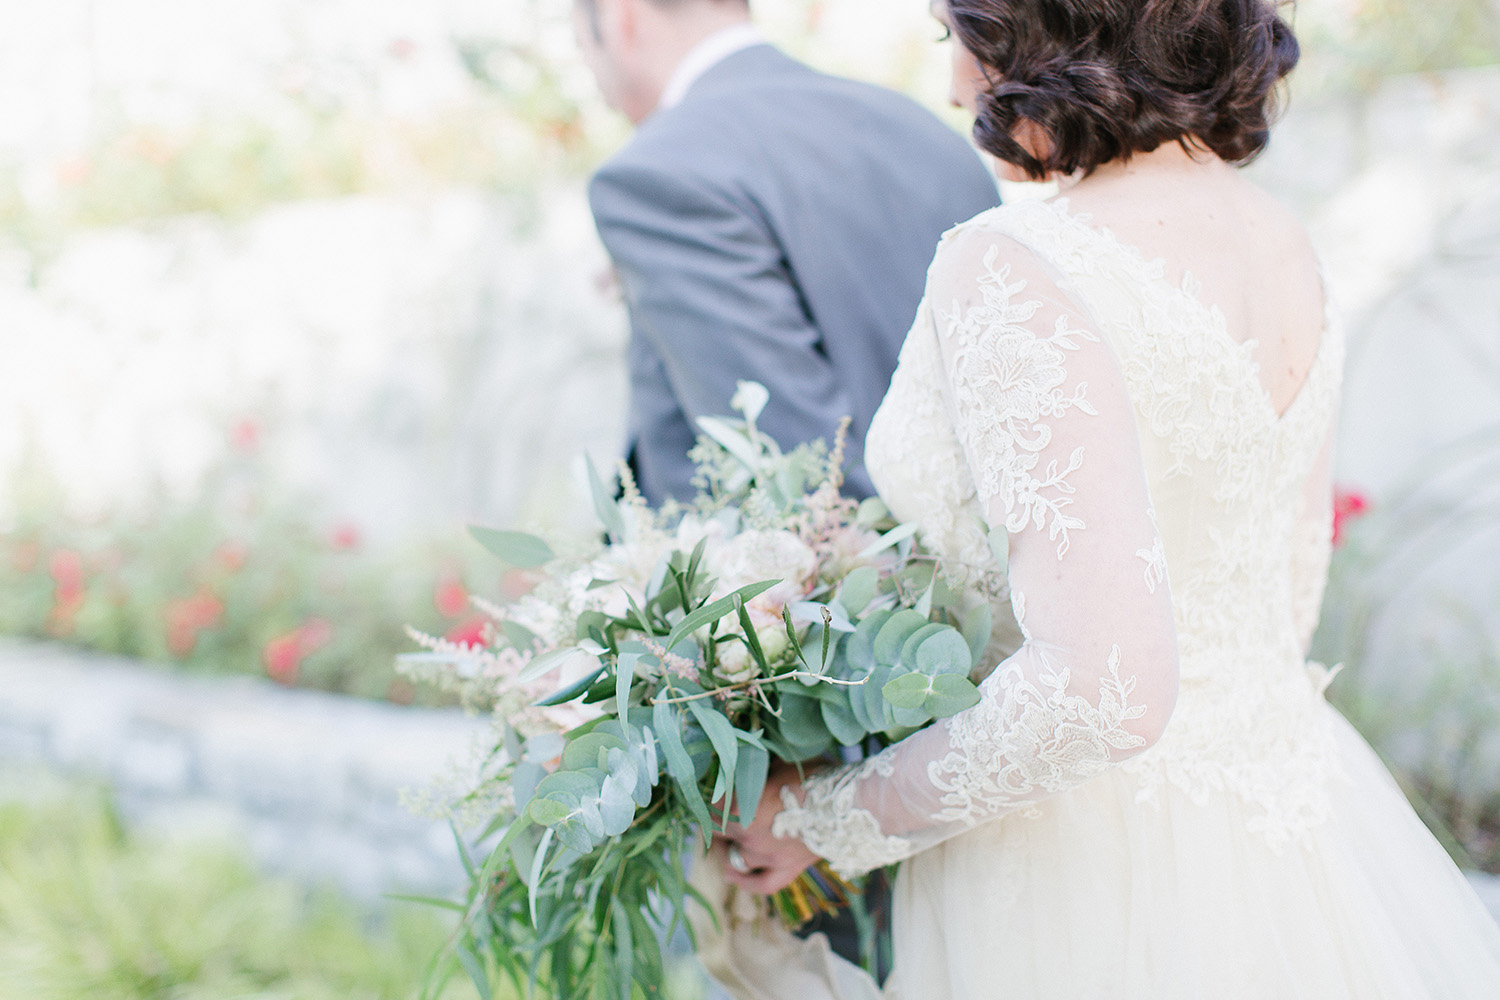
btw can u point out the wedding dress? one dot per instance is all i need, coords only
(1153, 799)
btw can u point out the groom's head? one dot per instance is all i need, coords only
(632, 46)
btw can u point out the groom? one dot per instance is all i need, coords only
(767, 222)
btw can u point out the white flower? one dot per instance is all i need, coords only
(754, 556)
(691, 530)
(736, 665)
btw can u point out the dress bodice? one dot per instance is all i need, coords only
(1226, 476)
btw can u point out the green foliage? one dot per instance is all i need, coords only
(1383, 38)
(89, 913)
(1418, 638)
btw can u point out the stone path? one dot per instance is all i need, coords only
(312, 783)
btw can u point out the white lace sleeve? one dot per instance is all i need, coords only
(1040, 407)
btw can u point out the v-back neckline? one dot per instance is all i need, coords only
(1153, 271)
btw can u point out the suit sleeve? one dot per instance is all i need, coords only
(710, 291)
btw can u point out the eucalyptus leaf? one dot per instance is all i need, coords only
(524, 781)
(511, 740)
(586, 751)
(876, 708)
(858, 589)
(577, 832)
(894, 633)
(916, 639)
(617, 803)
(872, 511)
(859, 705)
(544, 747)
(951, 694)
(946, 652)
(518, 548)
(802, 723)
(977, 626)
(908, 691)
(839, 717)
(547, 812)
(861, 648)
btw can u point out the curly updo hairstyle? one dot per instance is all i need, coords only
(1105, 79)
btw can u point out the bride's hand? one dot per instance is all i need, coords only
(757, 861)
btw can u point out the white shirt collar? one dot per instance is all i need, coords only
(705, 56)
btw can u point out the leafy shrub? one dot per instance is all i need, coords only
(237, 577)
(89, 913)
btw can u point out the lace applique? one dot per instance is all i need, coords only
(1155, 558)
(1249, 721)
(1026, 738)
(1008, 379)
(832, 826)
(923, 475)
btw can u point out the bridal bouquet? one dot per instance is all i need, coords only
(646, 684)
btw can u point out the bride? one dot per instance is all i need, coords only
(1139, 382)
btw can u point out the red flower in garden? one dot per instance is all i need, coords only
(450, 597)
(66, 570)
(470, 633)
(1347, 506)
(284, 654)
(232, 556)
(187, 617)
(244, 436)
(345, 537)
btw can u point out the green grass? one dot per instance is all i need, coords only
(87, 911)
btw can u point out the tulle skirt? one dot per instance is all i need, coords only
(1100, 896)
(1097, 896)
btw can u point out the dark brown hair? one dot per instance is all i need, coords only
(1105, 79)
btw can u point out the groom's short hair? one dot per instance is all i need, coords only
(591, 7)
(1106, 80)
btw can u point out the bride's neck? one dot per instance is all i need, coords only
(1169, 161)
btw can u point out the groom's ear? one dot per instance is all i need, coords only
(618, 21)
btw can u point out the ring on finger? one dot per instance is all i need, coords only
(737, 860)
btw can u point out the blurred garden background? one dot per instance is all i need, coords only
(291, 291)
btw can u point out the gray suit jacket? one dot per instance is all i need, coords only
(776, 225)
